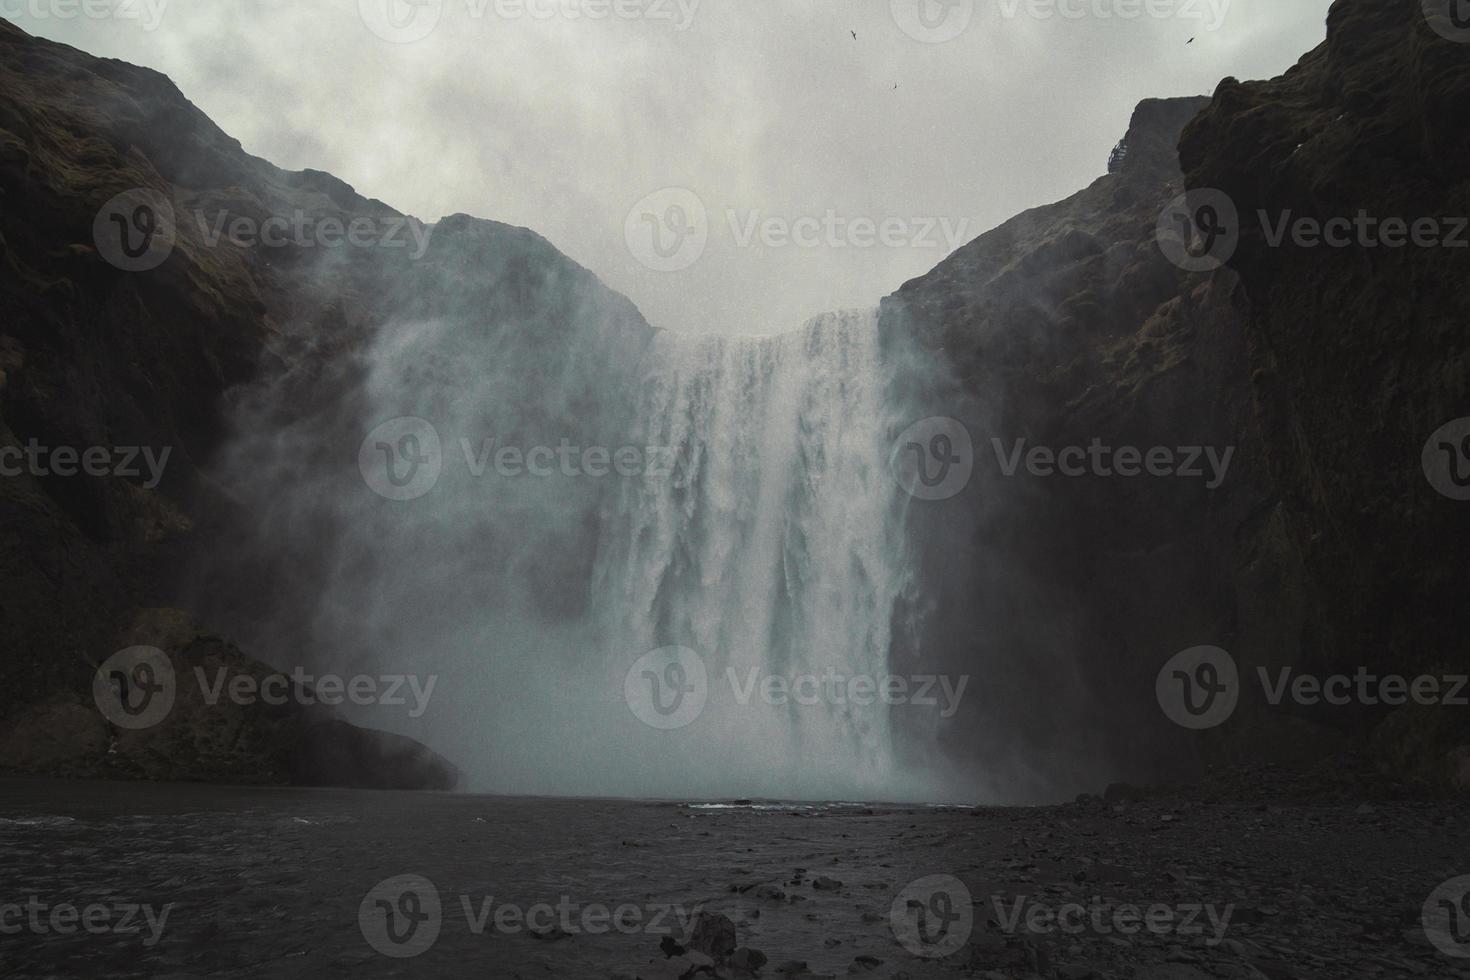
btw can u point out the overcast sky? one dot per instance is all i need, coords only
(520, 111)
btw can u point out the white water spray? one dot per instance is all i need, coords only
(773, 549)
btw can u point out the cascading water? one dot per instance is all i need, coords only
(777, 553)
(771, 548)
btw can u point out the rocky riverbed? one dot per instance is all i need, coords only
(1256, 874)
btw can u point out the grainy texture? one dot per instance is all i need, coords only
(270, 882)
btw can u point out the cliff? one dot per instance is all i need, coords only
(98, 351)
(1325, 370)
(1358, 355)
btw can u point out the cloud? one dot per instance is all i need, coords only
(519, 111)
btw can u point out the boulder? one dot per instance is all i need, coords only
(713, 934)
(208, 736)
(54, 737)
(747, 959)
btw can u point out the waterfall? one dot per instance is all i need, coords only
(760, 532)
(775, 552)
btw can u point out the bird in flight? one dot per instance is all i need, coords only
(1190, 41)
(854, 34)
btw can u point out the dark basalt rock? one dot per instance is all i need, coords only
(1325, 369)
(209, 737)
(1064, 325)
(1357, 355)
(714, 935)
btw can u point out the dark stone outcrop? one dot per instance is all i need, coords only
(1326, 370)
(210, 736)
(1357, 355)
(1064, 325)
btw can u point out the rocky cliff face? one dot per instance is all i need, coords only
(1064, 327)
(1358, 354)
(95, 352)
(1324, 370)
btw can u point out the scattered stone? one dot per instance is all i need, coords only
(747, 959)
(713, 934)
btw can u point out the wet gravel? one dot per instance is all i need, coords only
(227, 882)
